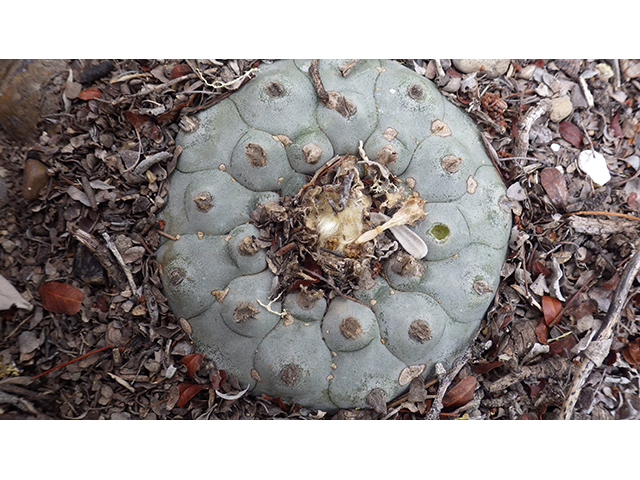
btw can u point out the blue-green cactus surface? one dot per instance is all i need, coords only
(267, 140)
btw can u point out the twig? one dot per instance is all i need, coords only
(445, 380)
(613, 214)
(148, 162)
(72, 361)
(524, 126)
(604, 336)
(99, 252)
(116, 253)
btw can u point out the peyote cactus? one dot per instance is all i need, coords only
(306, 203)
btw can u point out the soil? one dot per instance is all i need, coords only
(101, 343)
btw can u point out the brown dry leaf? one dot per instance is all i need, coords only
(90, 93)
(461, 393)
(192, 362)
(571, 133)
(58, 297)
(542, 331)
(485, 367)
(631, 353)
(180, 70)
(551, 307)
(187, 392)
(555, 185)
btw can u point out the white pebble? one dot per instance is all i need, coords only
(593, 164)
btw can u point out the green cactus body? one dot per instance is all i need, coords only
(265, 142)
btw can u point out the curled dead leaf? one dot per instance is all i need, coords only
(58, 297)
(192, 362)
(631, 353)
(187, 391)
(461, 393)
(551, 308)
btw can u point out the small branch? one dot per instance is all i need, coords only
(603, 340)
(71, 361)
(116, 253)
(148, 162)
(524, 126)
(612, 214)
(445, 380)
(102, 255)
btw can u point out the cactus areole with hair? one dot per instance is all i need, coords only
(340, 232)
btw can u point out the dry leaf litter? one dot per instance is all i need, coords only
(79, 197)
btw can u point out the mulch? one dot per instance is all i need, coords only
(103, 160)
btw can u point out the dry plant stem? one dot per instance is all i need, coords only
(116, 253)
(606, 332)
(612, 214)
(524, 126)
(72, 361)
(101, 254)
(444, 383)
(150, 161)
(18, 402)
(552, 367)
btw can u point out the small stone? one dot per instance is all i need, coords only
(493, 68)
(561, 108)
(35, 178)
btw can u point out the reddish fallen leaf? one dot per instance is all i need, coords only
(187, 392)
(551, 308)
(180, 70)
(563, 346)
(632, 201)
(485, 367)
(461, 393)
(555, 185)
(615, 125)
(539, 268)
(571, 133)
(631, 353)
(612, 283)
(144, 125)
(542, 331)
(90, 93)
(539, 63)
(535, 389)
(192, 362)
(58, 297)
(102, 303)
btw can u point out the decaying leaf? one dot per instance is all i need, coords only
(461, 393)
(571, 133)
(192, 362)
(551, 307)
(90, 93)
(187, 391)
(9, 296)
(58, 297)
(555, 185)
